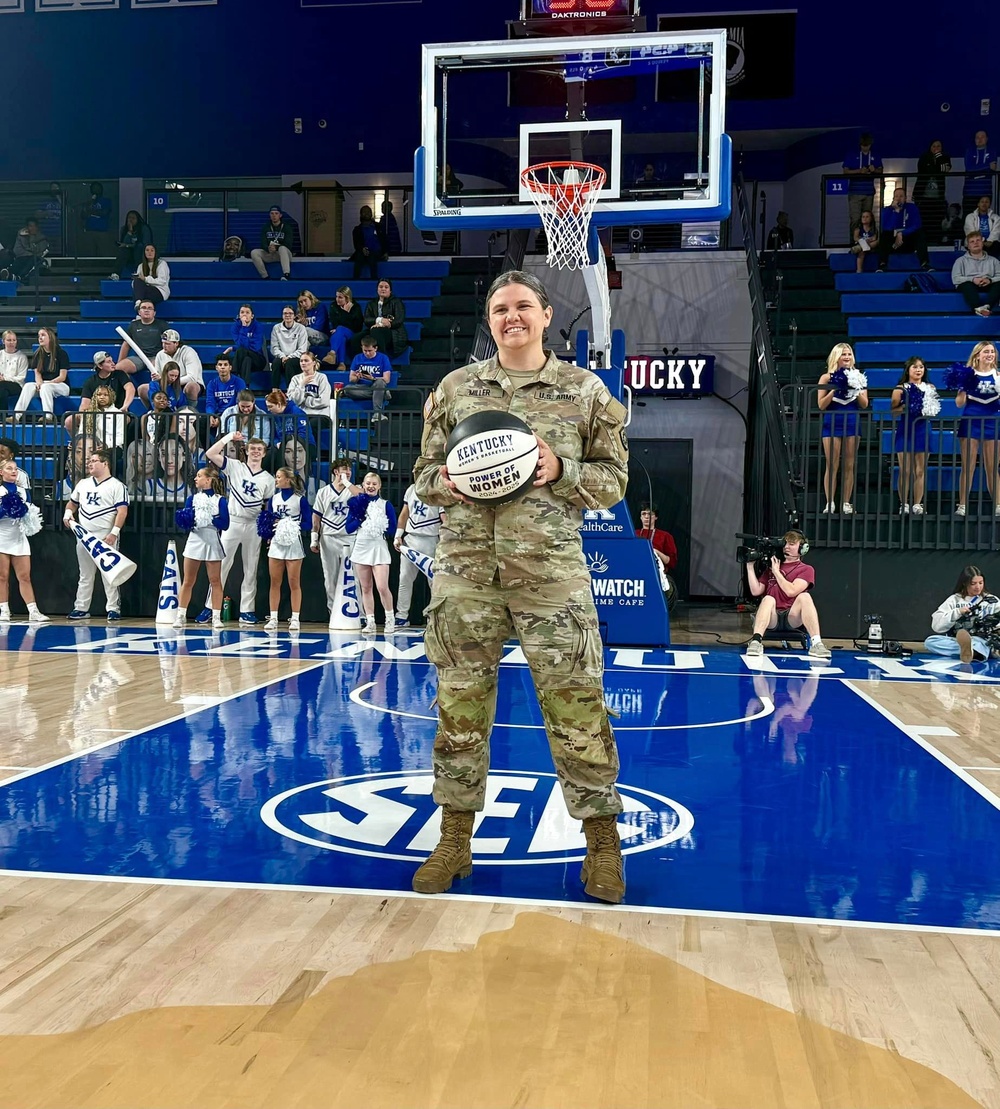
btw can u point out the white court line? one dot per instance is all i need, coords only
(152, 727)
(980, 769)
(916, 732)
(528, 902)
(17, 768)
(766, 710)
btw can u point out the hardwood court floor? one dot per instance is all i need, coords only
(123, 993)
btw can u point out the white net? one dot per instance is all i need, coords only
(565, 194)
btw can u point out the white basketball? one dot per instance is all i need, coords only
(492, 457)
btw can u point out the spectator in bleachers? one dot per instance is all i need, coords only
(50, 366)
(987, 223)
(386, 317)
(865, 239)
(862, 166)
(152, 278)
(276, 239)
(221, 390)
(310, 389)
(371, 372)
(979, 389)
(173, 474)
(169, 383)
(192, 375)
(96, 212)
(976, 275)
(952, 226)
(105, 374)
(289, 342)
(902, 232)
(103, 424)
(839, 402)
(369, 244)
(980, 163)
(51, 213)
(912, 398)
(245, 417)
(781, 236)
(133, 238)
(232, 248)
(347, 321)
(390, 229)
(31, 249)
(13, 370)
(289, 431)
(146, 331)
(929, 189)
(313, 316)
(247, 347)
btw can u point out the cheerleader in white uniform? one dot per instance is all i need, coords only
(18, 519)
(206, 515)
(286, 516)
(369, 517)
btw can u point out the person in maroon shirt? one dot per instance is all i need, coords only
(785, 602)
(664, 546)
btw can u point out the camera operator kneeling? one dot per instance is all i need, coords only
(961, 620)
(785, 604)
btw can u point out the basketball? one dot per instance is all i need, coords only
(492, 457)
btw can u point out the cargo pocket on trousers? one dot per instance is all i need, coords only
(437, 640)
(588, 654)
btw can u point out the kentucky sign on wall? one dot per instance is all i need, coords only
(677, 376)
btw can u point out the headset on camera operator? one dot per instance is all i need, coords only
(783, 588)
(965, 623)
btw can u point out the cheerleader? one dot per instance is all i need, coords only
(369, 517)
(914, 399)
(847, 392)
(977, 383)
(285, 517)
(19, 518)
(205, 515)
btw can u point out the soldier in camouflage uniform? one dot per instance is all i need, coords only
(518, 568)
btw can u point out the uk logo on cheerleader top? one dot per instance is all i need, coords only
(393, 816)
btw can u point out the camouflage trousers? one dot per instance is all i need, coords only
(556, 623)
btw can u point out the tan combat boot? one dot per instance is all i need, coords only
(603, 873)
(452, 858)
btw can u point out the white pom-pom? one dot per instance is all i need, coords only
(202, 505)
(376, 521)
(856, 380)
(285, 531)
(932, 402)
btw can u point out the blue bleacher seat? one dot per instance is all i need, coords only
(268, 310)
(303, 269)
(35, 434)
(218, 331)
(890, 352)
(969, 326)
(8, 289)
(941, 260)
(38, 468)
(892, 282)
(252, 287)
(913, 304)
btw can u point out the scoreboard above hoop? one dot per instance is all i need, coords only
(579, 9)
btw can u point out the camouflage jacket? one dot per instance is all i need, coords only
(536, 538)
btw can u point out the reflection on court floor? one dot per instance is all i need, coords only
(765, 786)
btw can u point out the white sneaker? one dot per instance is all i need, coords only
(959, 509)
(181, 621)
(904, 510)
(830, 509)
(917, 509)
(294, 625)
(848, 509)
(754, 648)
(217, 623)
(390, 624)
(114, 277)
(820, 650)
(983, 310)
(37, 618)
(369, 628)
(272, 624)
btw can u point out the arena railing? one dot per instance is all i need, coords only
(876, 520)
(834, 221)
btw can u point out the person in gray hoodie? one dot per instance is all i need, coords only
(289, 340)
(977, 274)
(30, 250)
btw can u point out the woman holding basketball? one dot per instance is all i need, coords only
(206, 516)
(518, 567)
(369, 517)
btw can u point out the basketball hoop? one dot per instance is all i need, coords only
(565, 194)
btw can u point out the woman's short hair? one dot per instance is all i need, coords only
(518, 277)
(277, 398)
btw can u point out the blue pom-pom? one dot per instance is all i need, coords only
(184, 518)
(960, 377)
(914, 401)
(11, 505)
(266, 522)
